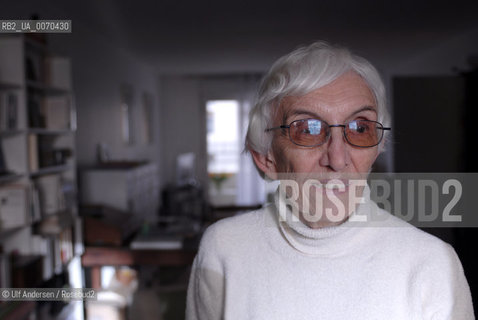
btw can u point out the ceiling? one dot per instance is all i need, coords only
(211, 33)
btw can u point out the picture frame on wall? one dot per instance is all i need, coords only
(127, 120)
(148, 117)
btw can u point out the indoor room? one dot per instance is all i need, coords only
(123, 129)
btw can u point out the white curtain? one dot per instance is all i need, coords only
(249, 185)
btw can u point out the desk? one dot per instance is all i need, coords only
(96, 257)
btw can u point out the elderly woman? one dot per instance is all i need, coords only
(316, 253)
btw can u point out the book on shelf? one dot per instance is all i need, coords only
(33, 162)
(78, 247)
(58, 72)
(57, 112)
(57, 262)
(35, 208)
(12, 111)
(50, 153)
(69, 192)
(51, 196)
(66, 245)
(49, 260)
(8, 111)
(27, 270)
(36, 117)
(3, 164)
(14, 152)
(57, 250)
(43, 246)
(156, 239)
(5, 270)
(14, 206)
(157, 243)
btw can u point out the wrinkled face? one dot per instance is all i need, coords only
(345, 99)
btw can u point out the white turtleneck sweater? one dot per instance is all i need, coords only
(255, 266)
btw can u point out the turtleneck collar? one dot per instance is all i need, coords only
(326, 240)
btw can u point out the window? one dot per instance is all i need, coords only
(223, 148)
(223, 136)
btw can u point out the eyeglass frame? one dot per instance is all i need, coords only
(343, 126)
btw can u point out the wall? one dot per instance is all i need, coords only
(182, 125)
(99, 69)
(446, 57)
(434, 73)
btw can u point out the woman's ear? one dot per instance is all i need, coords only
(265, 163)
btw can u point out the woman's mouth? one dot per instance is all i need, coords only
(336, 185)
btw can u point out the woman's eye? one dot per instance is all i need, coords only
(358, 126)
(361, 129)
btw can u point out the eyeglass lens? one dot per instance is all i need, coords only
(314, 132)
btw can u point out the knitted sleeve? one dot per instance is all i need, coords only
(205, 297)
(445, 291)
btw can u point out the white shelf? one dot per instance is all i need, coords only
(45, 131)
(50, 170)
(10, 177)
(46, 89)
(39, 102)
(9, 133)
(10, 86)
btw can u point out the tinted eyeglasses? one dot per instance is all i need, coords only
(315, 132)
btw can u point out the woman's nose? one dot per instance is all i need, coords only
(336, 155)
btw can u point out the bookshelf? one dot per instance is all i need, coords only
(40, 229)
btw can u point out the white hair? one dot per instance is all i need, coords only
(300, 72)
